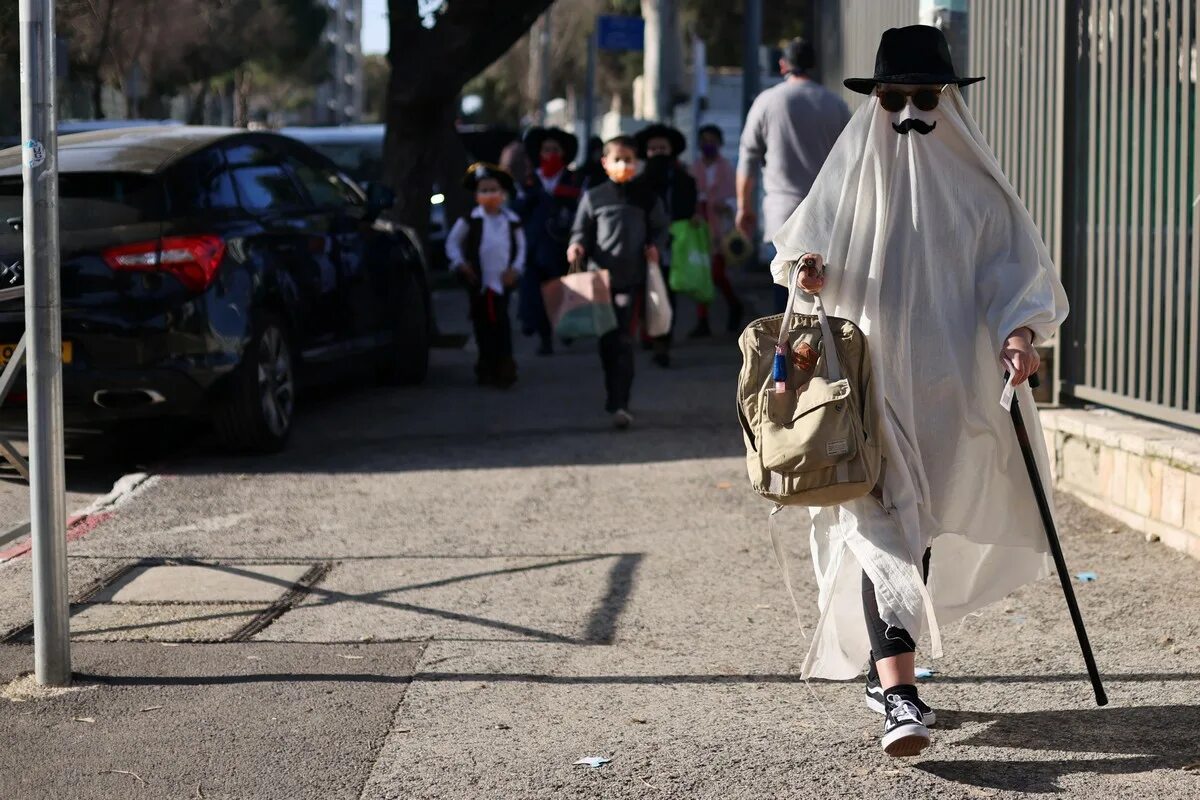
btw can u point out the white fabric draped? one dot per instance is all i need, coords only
(933, 255)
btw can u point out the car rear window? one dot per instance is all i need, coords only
(94, 199)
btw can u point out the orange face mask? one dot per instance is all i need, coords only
(491, 201)
(620, 171)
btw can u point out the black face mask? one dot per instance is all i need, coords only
(658, 167)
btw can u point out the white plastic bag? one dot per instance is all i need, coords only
(658, 303)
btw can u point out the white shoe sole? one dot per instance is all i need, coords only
(876, 705)
(906, 741)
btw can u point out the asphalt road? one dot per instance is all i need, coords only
(511, 585)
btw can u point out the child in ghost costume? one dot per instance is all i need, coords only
(922, 242)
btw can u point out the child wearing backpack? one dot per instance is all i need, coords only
(620, 225)
(487, 250)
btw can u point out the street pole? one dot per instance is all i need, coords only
(589, 97)
(544, 86)
(751, 78)
(47, 512)
(663, 81)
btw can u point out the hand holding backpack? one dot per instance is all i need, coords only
(805, 406)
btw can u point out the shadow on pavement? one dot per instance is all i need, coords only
(1140, 739)
(599, 628)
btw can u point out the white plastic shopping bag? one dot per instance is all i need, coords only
(658, 304)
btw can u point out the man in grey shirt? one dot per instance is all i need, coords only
(789, 132)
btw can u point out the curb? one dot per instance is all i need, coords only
(83, 522)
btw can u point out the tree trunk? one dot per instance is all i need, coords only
(413, 148)
(431, 58)
(242, 83)
(199, 105)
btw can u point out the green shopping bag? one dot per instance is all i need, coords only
(691, 261)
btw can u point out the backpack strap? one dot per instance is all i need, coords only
(514, 226)
(474, 240)
(828, 343)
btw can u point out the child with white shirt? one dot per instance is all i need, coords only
(487, 250)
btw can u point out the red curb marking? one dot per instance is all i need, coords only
(78, 526)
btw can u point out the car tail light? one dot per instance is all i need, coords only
(191, 259)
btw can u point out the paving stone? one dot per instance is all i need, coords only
(190, 622)
(232, 583)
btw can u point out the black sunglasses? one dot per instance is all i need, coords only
(894, 100)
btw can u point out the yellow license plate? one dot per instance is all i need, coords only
(7, 350)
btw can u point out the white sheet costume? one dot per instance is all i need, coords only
(933, 255)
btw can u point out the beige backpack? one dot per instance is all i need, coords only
(812, 439)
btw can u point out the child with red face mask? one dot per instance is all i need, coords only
(487, 250)
(546, 203)
(621, 225)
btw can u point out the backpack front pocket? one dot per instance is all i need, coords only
(808, 430)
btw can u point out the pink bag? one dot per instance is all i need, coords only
(579, 305)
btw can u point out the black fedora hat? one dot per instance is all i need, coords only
(660, 131)
(915, 54)
(480, 170)
(535, 136)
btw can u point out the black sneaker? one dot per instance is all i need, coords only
(875, 701)
(904, 731)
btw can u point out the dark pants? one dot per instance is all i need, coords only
(616, 349)
(493, 337)
(887, 641)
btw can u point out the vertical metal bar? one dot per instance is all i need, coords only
(1121, 263)
(1095, 180)
(1157, 261)
(1037, 95)
(1135, 223)
(1024, 94)
(1110, 202)
(1190, 275)
(48, 516)
(1068, 205)
(1010, 111)
(1171, 246)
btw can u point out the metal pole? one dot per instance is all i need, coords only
(751, 68)
(47, 512)
(589, 98)
(666, 61)
(544, 86)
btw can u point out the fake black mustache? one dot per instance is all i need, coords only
(913, 124)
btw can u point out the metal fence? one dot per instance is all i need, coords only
(1133, 263)
(848, 35)
(1090, 107)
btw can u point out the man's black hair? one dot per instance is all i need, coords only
(714, 130)
(799, 55)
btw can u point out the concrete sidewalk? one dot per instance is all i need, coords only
(505, 585)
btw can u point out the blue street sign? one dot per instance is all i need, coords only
(620, 33)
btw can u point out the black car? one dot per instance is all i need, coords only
(210, 272)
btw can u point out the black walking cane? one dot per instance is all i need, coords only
(1064, 576)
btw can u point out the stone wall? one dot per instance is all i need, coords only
(1145, 474)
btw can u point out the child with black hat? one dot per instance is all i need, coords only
(487, 250)
(661, 146)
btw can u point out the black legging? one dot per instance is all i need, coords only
(886, 640)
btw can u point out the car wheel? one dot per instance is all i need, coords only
(257, 415)
(406, 359)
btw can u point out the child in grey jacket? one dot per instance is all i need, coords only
(620, 225)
